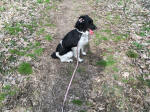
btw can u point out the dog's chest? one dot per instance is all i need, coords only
(83, 40)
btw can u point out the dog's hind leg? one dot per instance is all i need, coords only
(66, 57)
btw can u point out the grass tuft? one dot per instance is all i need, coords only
(38, 51)
(48, 37)
(131, 54)
(101, 63)
(25, 68)
(77, 102)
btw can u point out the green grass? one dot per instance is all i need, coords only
(17, 52)
(131, 54)
(145, 30)
(147, 82)
(2, 8)
(142, 34)
(50, 25)
(148, 41)
(88, 103)
(108, 62)
(40, 1)
(139, 46)
(6, 87)
(120, 3)
(13, 29)
(7, 90)
(38, 51)
(2, 96)
(30, 27)
(143, 81)
(25, 68)
(116, 77)
(13, 43)
(41, 31)
(115, 69)
(47, 1)
(107, 31)
(36, 44)
(48, 37)
(101, 63)
(31, 55)
(99, 38)
(43, 1)
(77, 102)
(117, 38)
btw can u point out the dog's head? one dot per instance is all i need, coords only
(85, 23)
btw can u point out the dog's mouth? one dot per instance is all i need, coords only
(91, 32)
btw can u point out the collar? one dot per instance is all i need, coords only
(86, 32)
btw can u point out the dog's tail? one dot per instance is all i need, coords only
(53, 55)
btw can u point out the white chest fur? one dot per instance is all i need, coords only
(81, 44)
(83, 40)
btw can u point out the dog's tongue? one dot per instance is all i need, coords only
(91, 32)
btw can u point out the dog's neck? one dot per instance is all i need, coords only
(85, 33)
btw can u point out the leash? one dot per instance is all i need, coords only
(73, 74)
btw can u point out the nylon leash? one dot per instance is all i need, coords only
(73, 74)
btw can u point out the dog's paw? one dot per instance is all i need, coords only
(80, 60)
(69, 60)
(84, 53)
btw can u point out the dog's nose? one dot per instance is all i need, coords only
(94, 27)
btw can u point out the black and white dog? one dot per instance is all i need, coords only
(67, 48)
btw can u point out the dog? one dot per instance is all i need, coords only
(67, 48)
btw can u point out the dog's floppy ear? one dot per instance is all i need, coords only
(81, 20)
(80, 24)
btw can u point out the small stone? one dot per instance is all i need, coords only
(144, 56)
(147, 99)
(142, 66)
(93, 94)
(101, 108)
(125, 74)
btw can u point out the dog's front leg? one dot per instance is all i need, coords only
(82, 51)
(74, 49)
